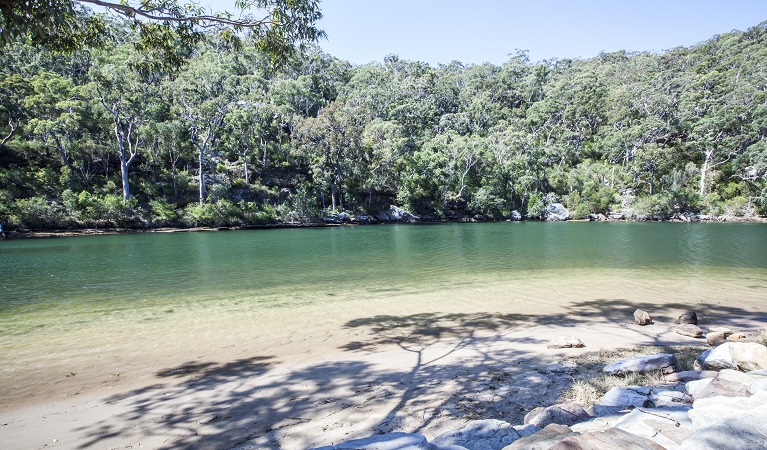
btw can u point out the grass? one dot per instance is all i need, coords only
(591, 383)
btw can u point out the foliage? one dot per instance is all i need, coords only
(95, 138)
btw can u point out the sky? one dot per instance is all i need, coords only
(478, 31)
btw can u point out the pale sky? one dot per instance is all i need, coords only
(477, 31)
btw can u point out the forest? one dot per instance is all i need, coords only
(96, 138)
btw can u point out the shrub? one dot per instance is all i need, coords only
(37, 212)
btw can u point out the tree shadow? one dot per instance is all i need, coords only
(448, 369)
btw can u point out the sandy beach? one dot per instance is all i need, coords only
(428, 372)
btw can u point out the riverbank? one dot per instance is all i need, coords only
(426, 373)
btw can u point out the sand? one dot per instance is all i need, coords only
(425, 373)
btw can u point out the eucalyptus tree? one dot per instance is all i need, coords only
(13, 92)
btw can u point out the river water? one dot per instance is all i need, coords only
(95, 307)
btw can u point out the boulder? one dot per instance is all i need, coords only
(487, 434)
(556, 212)
(641, 317)
(722, 387)
(526, 430)
(628, 396)
(689, 329)
(563, 414)
(515, 216)
(390, 441)
(665, 362)
(688, 317)
(597, 217)
(744, 356)
(542, 440)
(728, 423)
(669, 398)
(665, 427)
(695, 387)
(714, 338)
(690, 375)
(609, 439)
(566, 342)
(400, 215)
(758, 385)
(717, 329)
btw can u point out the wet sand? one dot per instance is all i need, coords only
(340, 371)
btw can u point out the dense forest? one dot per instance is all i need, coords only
(95, 138)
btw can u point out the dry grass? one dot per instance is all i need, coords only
(590, 384)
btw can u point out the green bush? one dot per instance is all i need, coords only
(660, 206)
(536, 206)
(37, 213)
(581, 211)
(163, 213)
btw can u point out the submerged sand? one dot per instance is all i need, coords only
(420, 362)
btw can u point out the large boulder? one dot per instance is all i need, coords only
(714, 338)
(556, 212)
(390, 441)
(744, 356)
(396, 214)
(728, 423)
(665, 362)
(666, 427)
(480, 435)
(515, 216)
(563, 414)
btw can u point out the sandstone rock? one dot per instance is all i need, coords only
(714, 338)
(736, 337)
(708, 411)
(665, 427)
(722, 387)
(610, 439)
(604, 410)
(487, 434)
(526, 430)
(542, 440)
(690, 375)
(698, 364)
(515, 216)
(566, 342)
(694, 388)
(396, 214)
(641, 317)
(556, 212)
(563, 414)
(759, 385)
(689, 329)
(745, 356)
(390, 441)
(664, 362)
(628, 396)
(688, 317)
(669, 398)
(729, 423)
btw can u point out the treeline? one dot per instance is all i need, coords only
(97, 139)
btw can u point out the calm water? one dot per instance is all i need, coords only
(74, 300)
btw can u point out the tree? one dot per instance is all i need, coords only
(166, 27)
(13, 91)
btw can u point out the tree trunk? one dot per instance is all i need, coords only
(124, 176)
(200, 155)
(704, 171)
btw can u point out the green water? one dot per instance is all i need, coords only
(102, 296)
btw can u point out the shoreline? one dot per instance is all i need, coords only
(55, 233)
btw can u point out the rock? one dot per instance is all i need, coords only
(390, 441)
(542, 440)
(689, 329)
(526, 430)
(722, 387)
(615, 216)
(487, 434)
(556, 212)
(610, 439)
(744, 356)
(664, 362)
(396, 214)
(641, 317)
(688, 317)
(597, 217)
(563, 414)
(716, 338)
(695, 387)
(729, 423)
(716, 329)
(515, 216)
(690, 375)
(604, 410)
(736, 337)
(665, 427)
(759, 385)
(698, 364)
(628, 396)
(566, 342)
(669, 398)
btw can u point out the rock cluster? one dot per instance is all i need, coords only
(722, 407)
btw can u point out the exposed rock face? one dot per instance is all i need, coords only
(515, 216)
(744, 356)
(556, 212)
(480, 435)
(542, 440)
(390, 441)
(690, 375)
(628, 396)
(641, 317)
(396, 214)
(566, 342)
(728, 423)
(688, 317)
(689, 329)
(597, 217)
(563, 414)
(664, 362)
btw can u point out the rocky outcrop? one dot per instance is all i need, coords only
(745, 356)
(515, 216)
(664, 362)
(563, 414)
(396, 214)
(556, 212)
